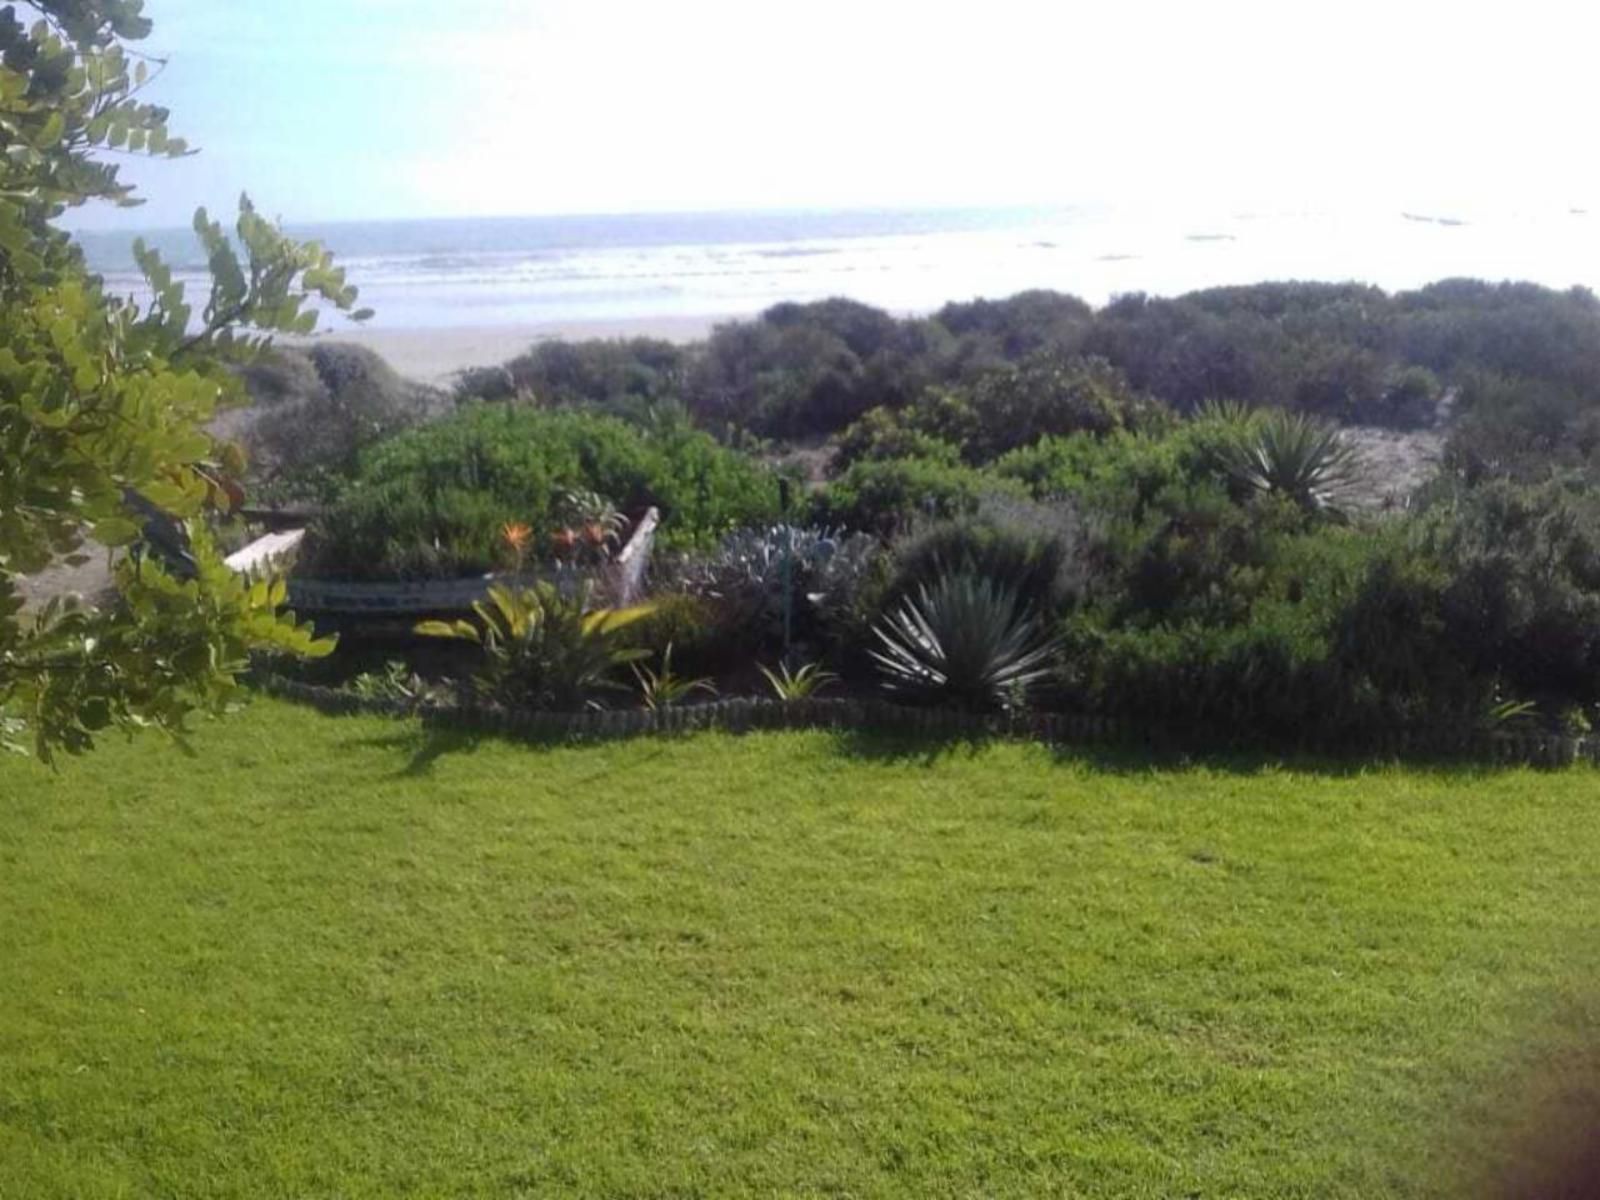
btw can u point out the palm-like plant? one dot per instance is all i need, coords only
(963, 640)
(543, 649)
(1297, 457)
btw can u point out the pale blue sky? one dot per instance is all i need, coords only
(349, 109)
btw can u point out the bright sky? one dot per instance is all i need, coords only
(350, 109)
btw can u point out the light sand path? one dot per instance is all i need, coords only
(435, 355)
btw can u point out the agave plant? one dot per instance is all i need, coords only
(543, 649)
(801, 684)
(665, 688)
(1297, 457)
(963, 640)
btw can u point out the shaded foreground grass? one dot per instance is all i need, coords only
(335, 957)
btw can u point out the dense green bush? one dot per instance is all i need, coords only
(1242, 635)
(1004, 408)
(1035, 550)
(690, 625)
(887, 433)
(1520, 596)
(623, 376)
(431, 502)
(887, 496)
(1522, 429)
(1344, 352)
(800, 369)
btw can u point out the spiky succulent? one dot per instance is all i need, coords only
(963, 640)
(1297, 457)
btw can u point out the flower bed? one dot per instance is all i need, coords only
(742, 714)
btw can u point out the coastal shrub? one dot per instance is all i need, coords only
(885, 433)
(1036, 550)
(963, 641)
(887, 496)
(1005, 330)
(1411, 398)
(1273, 678)
(313, 411)
(432, 501)
(800, 370)
(620, 376)
(1521, 592)
(1255, 641)
(1527, 430)
(1457, 327)
(690, 625)
(1396, 652)
(1002, 408)
(756, 575)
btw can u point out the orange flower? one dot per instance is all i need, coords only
(516, 535)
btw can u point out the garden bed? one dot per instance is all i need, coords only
(741, 714)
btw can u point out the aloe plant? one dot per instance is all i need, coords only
(543, 649)
(963, 640)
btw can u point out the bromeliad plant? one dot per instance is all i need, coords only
(593, 522)
(965, 641)
(801, 684)
(543, 649)
(665, 688)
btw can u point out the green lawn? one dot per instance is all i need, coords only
(335, 957)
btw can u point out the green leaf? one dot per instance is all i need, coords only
(115, 531)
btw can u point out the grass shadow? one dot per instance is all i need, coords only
(424, 744)
(1126, 758)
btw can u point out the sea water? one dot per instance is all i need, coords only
(518, 271)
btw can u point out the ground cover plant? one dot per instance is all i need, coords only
(352, 958)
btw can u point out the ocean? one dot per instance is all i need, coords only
(516, 272)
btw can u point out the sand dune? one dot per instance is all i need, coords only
(435, 355)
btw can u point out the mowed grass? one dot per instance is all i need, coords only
(338, 957)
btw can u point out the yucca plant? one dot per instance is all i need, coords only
(1297, 457)
(542, 649)
(665, 688)
(801, 684)
(963, 640)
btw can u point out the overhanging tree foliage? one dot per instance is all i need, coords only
(104, 400)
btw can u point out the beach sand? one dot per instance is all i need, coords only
(435, 355)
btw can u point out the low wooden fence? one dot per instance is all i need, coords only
(744, 714)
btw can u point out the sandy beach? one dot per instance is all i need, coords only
(435, 355)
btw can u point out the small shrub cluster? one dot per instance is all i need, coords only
(431, 503)
(771, 588)
(314, 411)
